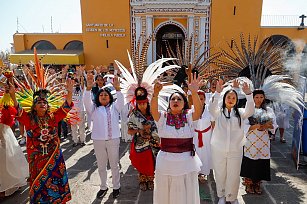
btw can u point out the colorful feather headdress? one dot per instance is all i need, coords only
(143, 76)
(40, 84)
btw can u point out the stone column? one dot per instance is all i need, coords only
(201, 36)
(149, 29)
(138, 27)
(190, 31)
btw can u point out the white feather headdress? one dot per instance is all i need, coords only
(129, 82)
(275, 89)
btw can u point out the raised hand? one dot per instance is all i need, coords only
(157, 87)
(246, 88)
(219, 86)
(89, 80)
(70, 85)
(195, 82)
(236, 83)
(116, 83)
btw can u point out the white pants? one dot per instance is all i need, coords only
(227, 167)
(204, 153)
(81, 127)
(108, 150)
(182, 189)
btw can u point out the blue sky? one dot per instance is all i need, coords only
(35, 15)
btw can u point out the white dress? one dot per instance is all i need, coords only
(176, 175)
(13, 164)
(282, 113)
(204, 152)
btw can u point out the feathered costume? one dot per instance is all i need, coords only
(48, 178)
(264, 69)
(138, 88)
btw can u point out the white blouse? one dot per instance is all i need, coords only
(99, 117)
(227, 134)
(176, 164)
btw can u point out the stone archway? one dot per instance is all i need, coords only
(168, 34)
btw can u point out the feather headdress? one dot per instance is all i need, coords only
(244, 59)
(275, 89)
(199, 58)
(143, 76)
(38, 81)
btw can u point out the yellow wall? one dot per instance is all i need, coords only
(225, 25)
(105, 12)
(298, 37)
(25, 41)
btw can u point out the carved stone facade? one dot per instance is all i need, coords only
(191, 16)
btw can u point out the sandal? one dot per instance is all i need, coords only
(201, 178)
(143, 186)
(257, 188)
(249, 189)
(150, 185)
(282, 140)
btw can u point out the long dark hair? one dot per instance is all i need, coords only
(235, 107)
(33, 113)
(96, 101)
(148, 113)
(263, 104)
(185, 100)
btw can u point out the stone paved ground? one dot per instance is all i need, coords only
(288, 185)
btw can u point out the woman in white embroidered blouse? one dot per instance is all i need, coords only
(228, 139)
(106, 132)
(256, 160)
(177, 166)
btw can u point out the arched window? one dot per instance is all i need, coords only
(43, 45)
(74, 45)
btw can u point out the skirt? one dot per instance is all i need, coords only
(256, 170)
(181, 189)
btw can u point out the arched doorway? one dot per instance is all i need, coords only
(169, 35)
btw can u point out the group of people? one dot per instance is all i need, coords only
(172, 149)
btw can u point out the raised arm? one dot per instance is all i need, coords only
(69, 86)
(119, 103)
(250, 104)
(154, 101)
(87, 97)
(213, 103)
(193, 86)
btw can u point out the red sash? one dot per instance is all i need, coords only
(200, 135)
(177, 145)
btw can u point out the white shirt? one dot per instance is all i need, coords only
(227, 134)
(77, 98)
(100, 119)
